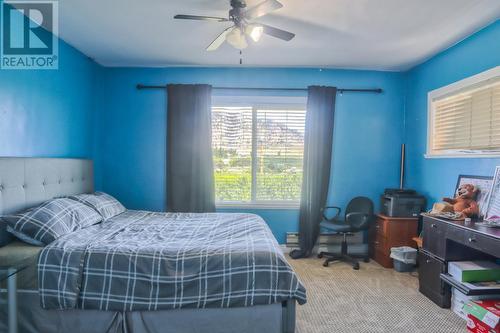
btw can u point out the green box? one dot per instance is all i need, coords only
(474, 271)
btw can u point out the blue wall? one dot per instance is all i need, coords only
(131, 150)
(84, 110)
(437, 177)
(49, 112)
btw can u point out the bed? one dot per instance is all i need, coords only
(145, 271)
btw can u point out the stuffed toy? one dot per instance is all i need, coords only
(464, 202)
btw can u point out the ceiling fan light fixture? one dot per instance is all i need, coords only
(236, 38)
(243, 25)
(255, 31)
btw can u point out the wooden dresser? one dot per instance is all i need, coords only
(389, 232)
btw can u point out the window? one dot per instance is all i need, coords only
(464, 118)
(258, 152)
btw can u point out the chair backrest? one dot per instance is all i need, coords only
(360, 205)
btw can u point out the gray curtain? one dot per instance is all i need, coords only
(190, 178)
(317, 162)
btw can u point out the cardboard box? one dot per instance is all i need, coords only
(458, 309)
(474, 271)
(458, 301)
(475, 325)
(483, 316)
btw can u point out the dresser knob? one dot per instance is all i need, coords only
(433, 225)
(472, 240)
(428, 261)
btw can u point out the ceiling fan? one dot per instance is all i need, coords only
(236, 35)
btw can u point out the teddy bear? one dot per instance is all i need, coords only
(464, 202)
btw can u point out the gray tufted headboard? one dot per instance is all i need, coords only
(27, 182)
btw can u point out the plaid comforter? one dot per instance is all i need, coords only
(141, 260)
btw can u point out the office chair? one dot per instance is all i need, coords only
(358, 217)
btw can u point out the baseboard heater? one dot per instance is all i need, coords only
(330, 242)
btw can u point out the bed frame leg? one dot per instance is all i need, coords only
(288, 316)
(12, 301)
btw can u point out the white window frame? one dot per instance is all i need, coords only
(260, 102)
(450, 90)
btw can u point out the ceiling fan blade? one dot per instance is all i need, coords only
(278, 33)
(219, 40)
(200, 18)
(262, 9)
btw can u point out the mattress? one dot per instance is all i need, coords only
(15, 252)
(141, 261)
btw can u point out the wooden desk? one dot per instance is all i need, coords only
(444, 241)
(390, 232)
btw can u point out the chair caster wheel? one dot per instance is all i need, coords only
(320, 255)
(367, 260)
(325, 264)
(355, 267)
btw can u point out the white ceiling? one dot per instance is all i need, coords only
(361, 34)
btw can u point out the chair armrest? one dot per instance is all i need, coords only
(330, 207)
(358, 220)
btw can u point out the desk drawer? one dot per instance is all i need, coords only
(429, 278)
(434, 237)
(482, 243)
(381, 251)
(382, 227)
(383, 259)
(381, 244)
(455, 234)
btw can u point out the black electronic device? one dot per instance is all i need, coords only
(401, 202)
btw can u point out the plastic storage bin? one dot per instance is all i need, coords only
(405, 258)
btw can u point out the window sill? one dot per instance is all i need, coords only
(258, 205)
(462, 155)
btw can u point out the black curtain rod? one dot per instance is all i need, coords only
(340, 90)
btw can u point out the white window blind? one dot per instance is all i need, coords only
(258, 153)
(467, 120)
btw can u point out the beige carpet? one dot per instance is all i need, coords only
(373, 299)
